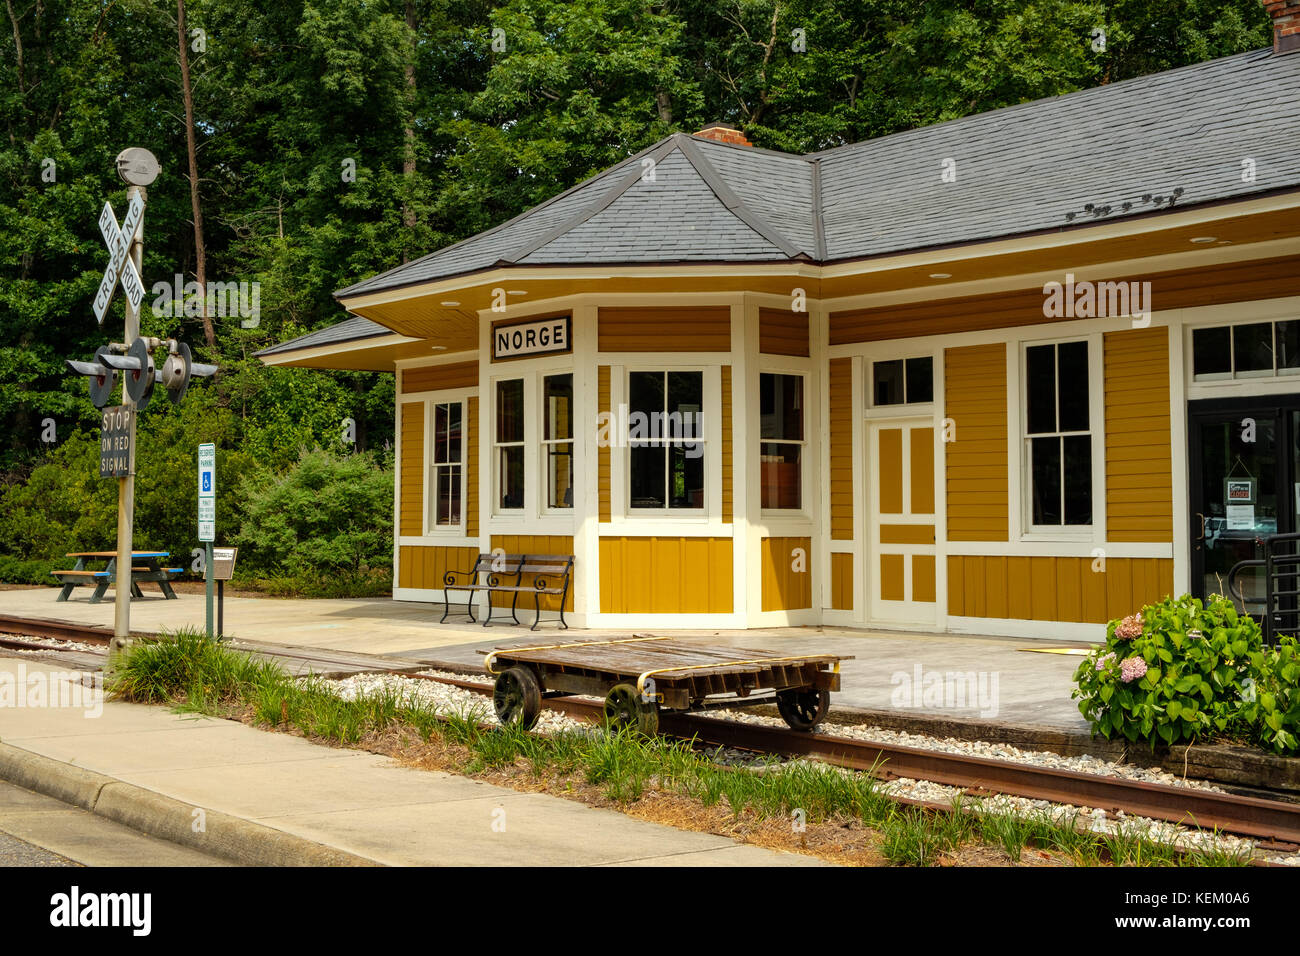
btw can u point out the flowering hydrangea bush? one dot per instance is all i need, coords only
(1174, 672)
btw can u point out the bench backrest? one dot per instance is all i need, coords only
(498, 563)
(548, 565)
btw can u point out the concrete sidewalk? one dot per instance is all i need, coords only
(259, 797)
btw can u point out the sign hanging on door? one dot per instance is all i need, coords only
(1239, 491)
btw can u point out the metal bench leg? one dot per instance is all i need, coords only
(100, 588)
(446, 606)
(135, 590)
(514, 603)
(469, 606)
(63, 594)
(537, 604)
(488, 620)
(166, 588)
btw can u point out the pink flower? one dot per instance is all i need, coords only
(1104, 660)
(1131, 669)
(1130, 627)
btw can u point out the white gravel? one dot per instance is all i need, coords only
(50, 642)
(447, 699)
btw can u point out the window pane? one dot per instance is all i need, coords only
(686, 477)
(781, 403)
(1040, 391)
(685, 402)
(645, 392)
(559, 475)
(779, 474)
(510, 410)
(453, 432)
(920, 380)
(647, 477)
(510, 476)
(1252, 348)
(1072, 384)
(439, 433)
(1078, 479)
(887, 382)
(1288, 344)
(1045, 475)
(1212, 351)
(448, 495)
(557, 397)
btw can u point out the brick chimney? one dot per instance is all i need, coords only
(723, 133)
(1286, 24)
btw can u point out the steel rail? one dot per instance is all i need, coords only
(1269, 820)
(60, 630)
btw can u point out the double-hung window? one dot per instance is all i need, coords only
(1058, 435)
(557, 439)
(666, 440)
(448, 465)
(780, 399)
(509, 444)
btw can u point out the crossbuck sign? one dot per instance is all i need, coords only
(120, 265)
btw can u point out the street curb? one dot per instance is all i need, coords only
(154, 814)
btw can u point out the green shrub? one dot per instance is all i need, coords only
(1177, 671)
(17, 571)
(1273, 709)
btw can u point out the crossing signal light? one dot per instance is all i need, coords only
(102, 378)
(139, 372)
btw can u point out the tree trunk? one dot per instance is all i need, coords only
(200, 253)
(408, 159)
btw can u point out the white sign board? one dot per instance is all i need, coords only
(207, 492)
(120, 265)
(531, 338)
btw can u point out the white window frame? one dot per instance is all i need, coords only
(804, 455)
(544, 444)
(1096, 418)
(431, 465)
(495, 457)
(709, 394)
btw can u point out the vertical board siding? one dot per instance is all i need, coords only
(782, 332)
(842, 581)
(665, 329)
(975, 398)
(411, 521)
(602, 451)
(727, 491)
(434, 377)
(423, 567)
(666, 575)
(785, 586)
(535, 544)
(471, 468)
(1139, 459)
(1055, 589)
(841, 448)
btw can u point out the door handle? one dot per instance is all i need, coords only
(1201, 536)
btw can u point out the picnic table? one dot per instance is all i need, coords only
(145, 566)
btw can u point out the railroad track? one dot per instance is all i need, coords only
(59, 630)
(1275, 824)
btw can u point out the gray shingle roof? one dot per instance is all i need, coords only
(348, 330)
(1020, 169)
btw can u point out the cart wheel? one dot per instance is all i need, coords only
(803, 709)
(517, 697)
(624, 707)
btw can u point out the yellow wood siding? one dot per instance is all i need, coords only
(1055, 589)
(975, 398)
(602, 451)
(665, 329)
(1139, 469)
(421, 567)
(727, 492)
(666, 575)
(411, 520)
(841, 448)
(434, 377)
(534, 544)
(842, 581)
(787, 573)
(471, 468)
(782, 332)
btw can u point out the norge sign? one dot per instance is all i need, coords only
(531, 338)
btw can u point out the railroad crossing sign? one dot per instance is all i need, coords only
(120, 265)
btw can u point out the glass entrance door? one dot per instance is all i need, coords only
(1243, 471)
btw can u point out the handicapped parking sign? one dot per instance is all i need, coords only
(207, 481)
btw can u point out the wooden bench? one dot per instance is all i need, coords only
(513, 574)
(149, 570)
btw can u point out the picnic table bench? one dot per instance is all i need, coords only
(513, 574)
(149, 569)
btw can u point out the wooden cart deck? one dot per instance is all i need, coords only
(670, 672)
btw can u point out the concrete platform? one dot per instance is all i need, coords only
(158, 770)
(990, 679)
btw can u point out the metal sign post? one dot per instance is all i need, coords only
(208, 517)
